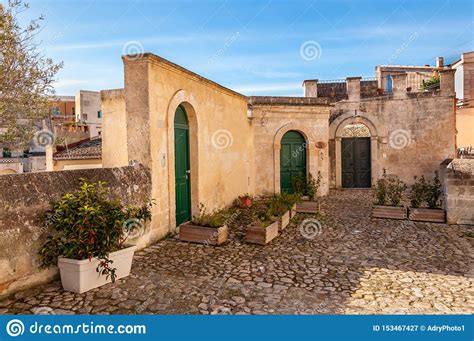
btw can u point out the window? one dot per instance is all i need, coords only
(99, 114)
(84, 117)
(55, 111)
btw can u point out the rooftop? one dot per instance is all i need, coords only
(82, 150)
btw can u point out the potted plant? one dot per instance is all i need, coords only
(308, 189)
(245, 201)
(87, 235)
(380, 91)
(388, 198)
(279, 211)
(427, 194)
(290, 200)
(205, 228)
(262, 228)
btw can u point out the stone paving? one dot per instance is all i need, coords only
(353, 265)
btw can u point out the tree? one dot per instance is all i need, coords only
(26, 78)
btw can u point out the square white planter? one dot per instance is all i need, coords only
(80, 275)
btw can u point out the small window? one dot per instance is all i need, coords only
(99, 114)
(84, 117)
(55, 111)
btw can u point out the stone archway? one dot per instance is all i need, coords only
(336, 130)
(310, 151)
(183, 99)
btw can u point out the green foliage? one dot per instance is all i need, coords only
(298, 184)
(86, 224)
(307, 186)
(418, 192)
(214, 219)
(261, 215)
(395, 189)
(426, 192)
(431, 83)
(433, 192)
(389, 189)
(277, 207)
(289, 199)
(381, 190)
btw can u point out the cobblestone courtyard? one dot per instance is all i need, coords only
(356, 265)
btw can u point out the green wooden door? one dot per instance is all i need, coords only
(356, 162)
(182, 167)
(292, 159)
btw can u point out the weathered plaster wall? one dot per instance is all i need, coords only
(271, 121)
(459, 191)
(411, 133)
(76, 164)
(221, 138)
(24, 197)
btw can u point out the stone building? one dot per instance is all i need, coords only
(207, 144)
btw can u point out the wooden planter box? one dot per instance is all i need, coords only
(434, 215)
(293, 211)
(261, 235)
(389, 212)
(284, 221)
(202, 234)
(307, 207)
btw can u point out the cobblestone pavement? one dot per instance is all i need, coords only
(356, 265)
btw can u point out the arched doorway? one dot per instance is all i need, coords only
(356, 156)
(182, 166)
(292, 159)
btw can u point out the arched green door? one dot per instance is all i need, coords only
(292, 159)
(182, 166)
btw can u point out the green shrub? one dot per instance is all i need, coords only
(381, 190)
(86, 224)
(418, 192)
(307, 186)
(298, 184)
(433, 192)
(395, 189)
(207, 218)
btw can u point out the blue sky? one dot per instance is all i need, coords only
(254, 47)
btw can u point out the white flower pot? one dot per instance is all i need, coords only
(80, 275)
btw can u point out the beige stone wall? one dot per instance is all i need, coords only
(411, 133)
(270, 123)
(459, 191)
(114, 134)
(221, 138)
(59, 165)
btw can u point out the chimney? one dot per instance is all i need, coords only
(439, 61)
(353, 88)
(310, 88)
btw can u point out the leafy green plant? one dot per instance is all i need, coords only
(207, 218)
(418, 192)
(381, 190)
(312, 186)
(289, 199)
(433, 192)
(298, 183)
(431, 83)
(277, 207)
(395, 189)
(86, 224)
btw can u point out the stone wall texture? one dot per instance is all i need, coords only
(459, 191)
(25, 197)
(411, 133)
